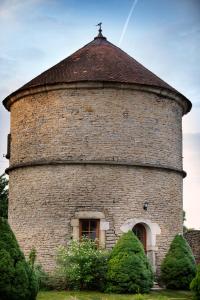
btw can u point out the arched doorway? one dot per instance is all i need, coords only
(147, 232)
(140, 231)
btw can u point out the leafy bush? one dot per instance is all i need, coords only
(49, 281)
(129, 270)
(17, 280)
(32, 258)
(195, 284)
(178, 267)
(46, 281)
(82, 265)
(41, 276)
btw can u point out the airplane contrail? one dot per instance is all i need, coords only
(127, 21)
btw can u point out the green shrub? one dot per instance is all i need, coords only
(42, 277)
(17, 280)
(32, 258)
(129, 270)
(178, 267)
(195, 284)
(49, 281)
(55, 281)
(46, 281)
(82, 265)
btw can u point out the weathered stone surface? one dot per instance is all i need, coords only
(94, 125)
(97, 124)
(193, 239)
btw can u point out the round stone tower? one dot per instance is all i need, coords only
(96, 150)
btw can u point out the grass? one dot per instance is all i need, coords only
(161, 295)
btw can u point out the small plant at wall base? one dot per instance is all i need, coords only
(17, 279)
(195, 284)
(82, 265)
(3, 197)
(46, 281)
(41, 275)
(178, 267)
(129, 270)
(32, 258)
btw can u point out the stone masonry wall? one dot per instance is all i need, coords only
(96, 125)
(193, 239)
(104, 124)
(44, 199)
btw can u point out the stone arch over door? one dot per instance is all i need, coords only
(152, 230)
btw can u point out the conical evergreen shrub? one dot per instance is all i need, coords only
(17, 279)
(129, 270)
(178, 267)
(195, 284)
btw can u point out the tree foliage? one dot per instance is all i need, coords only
(3, 197)
(17, 280)
(185, 228)
(178, 267)
(129, 270)
(195, 284)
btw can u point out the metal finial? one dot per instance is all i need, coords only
(100, 30)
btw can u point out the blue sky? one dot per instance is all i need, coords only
(163, 35)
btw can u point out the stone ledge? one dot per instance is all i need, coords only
(171, 95)
(77, 162)
(89, 215)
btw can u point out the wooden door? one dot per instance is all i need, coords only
(140, 231)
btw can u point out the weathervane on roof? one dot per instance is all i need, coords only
(100, 30)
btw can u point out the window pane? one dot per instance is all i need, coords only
(93, 225)
(85, 225)
(93, 235)
(89, 228)
(86, 234)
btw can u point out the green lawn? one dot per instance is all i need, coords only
(164, 295)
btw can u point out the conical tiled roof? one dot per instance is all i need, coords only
(101, 61)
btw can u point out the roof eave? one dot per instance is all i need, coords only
(101, 84)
